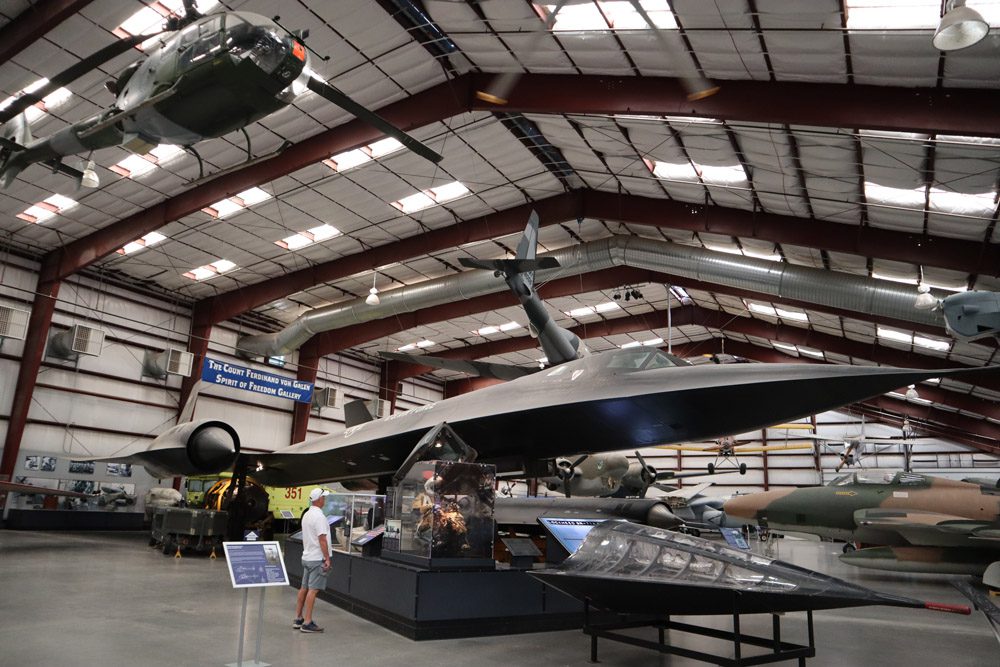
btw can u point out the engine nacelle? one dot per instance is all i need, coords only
(194, 448)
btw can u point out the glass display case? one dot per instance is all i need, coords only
(441, 514)
(360, 511)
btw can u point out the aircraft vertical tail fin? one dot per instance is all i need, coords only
(524, 263)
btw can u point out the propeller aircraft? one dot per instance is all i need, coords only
(205, 76)
(727, 448)
(607, 475)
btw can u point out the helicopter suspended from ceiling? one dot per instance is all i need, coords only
(206, 76)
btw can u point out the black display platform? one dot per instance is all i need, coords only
(19, 519)
(423, 604)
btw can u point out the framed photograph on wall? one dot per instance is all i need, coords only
(120, 469)
(40, 463)
(82, 467)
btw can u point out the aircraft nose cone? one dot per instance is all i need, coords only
(213, 447)
(660, 516)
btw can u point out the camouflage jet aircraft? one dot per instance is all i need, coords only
(921, 523)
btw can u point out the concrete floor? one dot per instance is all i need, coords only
(107, 599)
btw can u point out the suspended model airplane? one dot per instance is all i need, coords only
(607, 475)
(923, 523)
(726, 449)
(627, 398)
(207, 76)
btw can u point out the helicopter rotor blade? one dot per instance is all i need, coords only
(372, 118)
(73, 73)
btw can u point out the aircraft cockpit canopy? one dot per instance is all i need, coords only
(880, 477)
(638, 359)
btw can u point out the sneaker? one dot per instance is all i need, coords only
(297, 623)
(311, 627)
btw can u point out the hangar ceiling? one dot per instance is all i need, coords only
(840, 140)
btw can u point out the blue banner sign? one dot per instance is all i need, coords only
(255, 564)
(251, 379)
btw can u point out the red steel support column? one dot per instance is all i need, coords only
(308, 368)
(201, 332)
(31, 360)
(388, 383)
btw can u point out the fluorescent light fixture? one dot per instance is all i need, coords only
(510, 326)
(652, 341)
(892, 14)
(132, 166)
(236, 203)
(809, 352)
(166, 152)
(487, 331)
(359, 156)
(692, 172)
(694, 120)
(894, 335)
(681, 294)
(683, 171)
(253, 196)
(407, 347)
(47, 208)
(384, 147)
(784, 346)
(149, 239)
(211, 270)
(633, 343)
(791, 314)
(760, 308)
(895, 279)
(768, 256)
(581, 312)
(37, 110)
(425, 343)
(931, 343)
(413, 203)
(150, 18)
(448, 191)
(308, 237)
(606, 306)
(902, 197)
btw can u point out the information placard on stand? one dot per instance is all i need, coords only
(254, 565)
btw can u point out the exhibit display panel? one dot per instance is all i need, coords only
(442, 511)
(358, 512)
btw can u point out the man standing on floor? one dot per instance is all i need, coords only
(315, 560)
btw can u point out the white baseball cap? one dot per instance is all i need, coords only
(318, 493)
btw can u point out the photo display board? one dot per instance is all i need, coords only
(253, 564)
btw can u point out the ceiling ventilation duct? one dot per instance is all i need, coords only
(169, 362)
(13, 322)
(866, 296)
(76, 340)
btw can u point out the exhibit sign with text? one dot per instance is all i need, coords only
(253, 564)
(260, 382)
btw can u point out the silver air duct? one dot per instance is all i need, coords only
(867, 296)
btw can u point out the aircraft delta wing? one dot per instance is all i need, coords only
(622, 398)
(921, 523)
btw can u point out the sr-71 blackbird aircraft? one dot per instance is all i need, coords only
(619, 399)
(922, 523)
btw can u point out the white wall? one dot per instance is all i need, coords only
(101, 405)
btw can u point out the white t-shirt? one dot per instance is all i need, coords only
(314, 524)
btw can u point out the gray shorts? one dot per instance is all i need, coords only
(313, 575)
